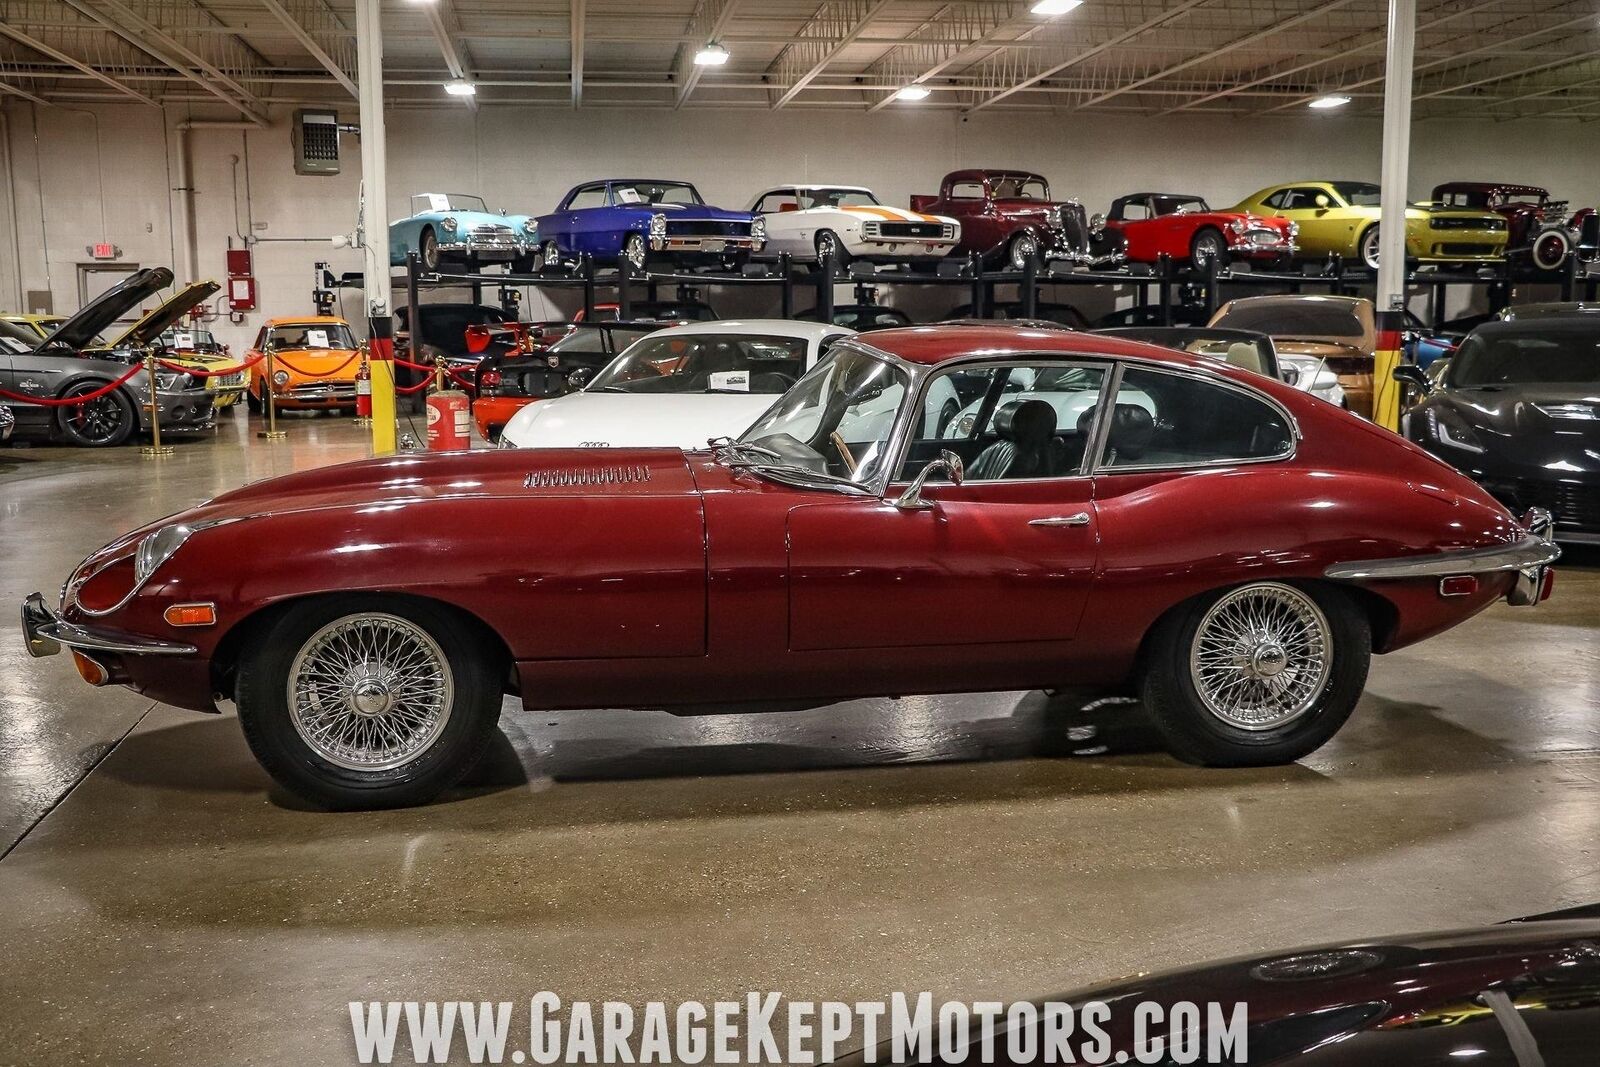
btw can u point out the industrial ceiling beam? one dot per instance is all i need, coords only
(303, 34)
(956, 31)
(707, 24)
(834, 27)
(173, 55)
(446, 30)
(576, 19)
(61, 57)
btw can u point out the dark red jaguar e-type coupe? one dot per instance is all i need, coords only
(1106, 512)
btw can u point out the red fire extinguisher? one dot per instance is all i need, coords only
(364, 387)
(449, 417)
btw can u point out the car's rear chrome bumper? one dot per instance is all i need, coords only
(1530, 557)
(44, 633)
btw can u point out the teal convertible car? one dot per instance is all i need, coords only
(448, 229)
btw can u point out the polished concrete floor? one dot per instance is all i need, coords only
(163, 903)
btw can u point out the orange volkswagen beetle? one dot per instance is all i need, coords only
(314, 364)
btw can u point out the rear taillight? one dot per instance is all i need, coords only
(489, 381)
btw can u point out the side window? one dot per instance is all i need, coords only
(1135, 211)
(966, 191)
(1008, 422)
(1172, 420)
(1277, 199)
(587, 197)
(773, 203)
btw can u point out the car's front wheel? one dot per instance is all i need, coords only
(634, 251)
(428, 250)
(367, 702)
(1259, 674)
(1208, 245)
(103, 422)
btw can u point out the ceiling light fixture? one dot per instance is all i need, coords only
(712, 55)
(1332, 100)
(914, 92)
(1055, 7)
(460, 87)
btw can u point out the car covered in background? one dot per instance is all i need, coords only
(543, 360)
(314, 364)
(1188, 230)
(1518, 410)
(815, 556)
(1314, 334)
(861, 318)
(454, 229)
(679, 388)
(1341, 218)
(1008, 218)
(640, 220)
(74, 360)
(847, 222)
(1537, 226)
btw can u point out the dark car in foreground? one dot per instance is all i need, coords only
(1520, 994)
(1518, 410)
(113, 394)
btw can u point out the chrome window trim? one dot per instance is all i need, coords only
(1295, 436)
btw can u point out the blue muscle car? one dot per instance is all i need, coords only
(637, 220)
(449, 228)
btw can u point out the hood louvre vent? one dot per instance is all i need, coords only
(561, 478)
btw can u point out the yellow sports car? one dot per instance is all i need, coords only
(1342, 217)
(155, 327)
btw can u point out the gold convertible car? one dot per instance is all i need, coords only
(1342, 217)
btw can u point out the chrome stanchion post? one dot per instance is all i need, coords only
(271, 433)
(155, 449)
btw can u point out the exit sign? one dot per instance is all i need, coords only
(104, 250)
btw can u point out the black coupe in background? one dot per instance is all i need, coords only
(1517, 408)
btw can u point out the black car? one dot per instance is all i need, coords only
(653, 310)
(443, 338)
(1517, 408)
(561, 360)
(1150, 315)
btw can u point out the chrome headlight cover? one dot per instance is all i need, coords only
(157, 548)
(449, 224)
(658, 226)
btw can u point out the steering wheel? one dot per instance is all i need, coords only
(844, 452)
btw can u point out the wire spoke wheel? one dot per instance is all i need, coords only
(1024, 250)
(1261, 657)
(370, 692)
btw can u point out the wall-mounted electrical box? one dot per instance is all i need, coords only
(241, 280)
(316, 141)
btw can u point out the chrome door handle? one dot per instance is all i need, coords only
(1080, 519)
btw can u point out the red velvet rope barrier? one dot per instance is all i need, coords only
(457, 375)
(222, 372)
(413, 390)
(75, 401)
(326, 374)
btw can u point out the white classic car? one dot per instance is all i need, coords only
(678, 388)
(807, 221)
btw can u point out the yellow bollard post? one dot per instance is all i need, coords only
(383, 406)
(155, 449)
(270, 393)
(1385, 390)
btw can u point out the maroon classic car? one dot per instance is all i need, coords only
(1112, 514)
(1007, 217)
(1187, 229)
(1539, 226)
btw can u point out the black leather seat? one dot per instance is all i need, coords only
(1027, 445)
(1132, 432)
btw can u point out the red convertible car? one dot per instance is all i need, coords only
(1188, 230)
(1113, 514)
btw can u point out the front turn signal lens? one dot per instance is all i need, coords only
(191, 615)
(89, 670)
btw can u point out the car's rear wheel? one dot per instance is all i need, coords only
(367, 702)
(428, 248)
(1259, 674)
(1368, 247)
(103, 422)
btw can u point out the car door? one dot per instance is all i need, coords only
(1005, 558)
(1322, 228)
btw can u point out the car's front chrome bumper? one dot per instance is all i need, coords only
(44, 633)
(1530, 557)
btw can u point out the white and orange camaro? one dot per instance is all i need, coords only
(810, 221)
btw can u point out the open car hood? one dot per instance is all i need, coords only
(163, 317)
(80, 330)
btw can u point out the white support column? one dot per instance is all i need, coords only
(1392, 226)
(375, 223)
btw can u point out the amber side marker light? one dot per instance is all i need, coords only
(89, 670)
(191, 615)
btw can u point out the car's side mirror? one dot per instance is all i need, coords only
(579, 378)
(1411, 374)
(949, 464)
(1323, 202)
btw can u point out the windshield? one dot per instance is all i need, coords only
(1358, 194)
(1300, 318)
(188, 339)
(446, 202)
(311, 335)
(1172, 205)
(654, 193)
(705, 363)
(1566, 353)
(810, 198)
(838, 420)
